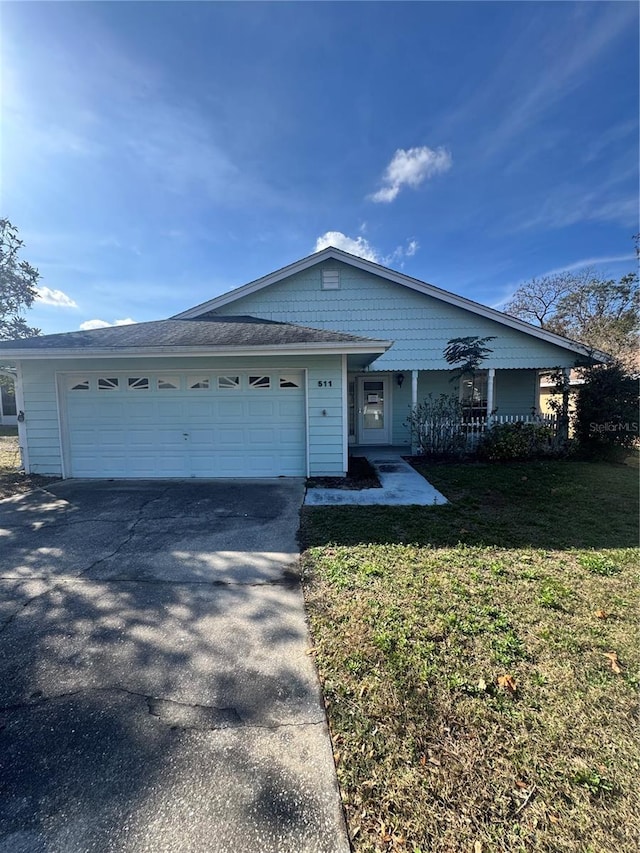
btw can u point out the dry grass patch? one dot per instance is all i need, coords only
(12, 482)
(480, 697)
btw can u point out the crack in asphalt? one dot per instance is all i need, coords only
(154, 707)
(10, 619)
(64, 522)
(130, 534)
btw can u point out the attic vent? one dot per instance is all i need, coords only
(331, 279)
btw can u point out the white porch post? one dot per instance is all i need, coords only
(414, 403)
(491, 381)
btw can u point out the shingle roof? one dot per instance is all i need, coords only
(213, 331)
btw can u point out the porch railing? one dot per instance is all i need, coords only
(474, 428)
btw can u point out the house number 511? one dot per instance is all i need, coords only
(325, 383)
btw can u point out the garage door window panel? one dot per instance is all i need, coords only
(76, 384)
(228, 383)
(262, 383)
(198, 383)
(168, 383)
(287, 381)
(108, 383)
(138, 383)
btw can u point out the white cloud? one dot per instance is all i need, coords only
(102, 324)
(410, 168)
(54, 297)
(358, 246)
(363, 249)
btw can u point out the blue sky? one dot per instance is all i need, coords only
(157, 154)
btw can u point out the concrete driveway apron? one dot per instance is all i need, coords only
(155, 688)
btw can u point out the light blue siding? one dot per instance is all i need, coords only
(401, 402)
(325, 412)
(371, 306)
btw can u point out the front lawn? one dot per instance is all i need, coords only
(480, 660)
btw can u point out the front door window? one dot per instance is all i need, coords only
(373, 410)
(373, 405)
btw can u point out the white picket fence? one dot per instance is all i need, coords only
(474, 428)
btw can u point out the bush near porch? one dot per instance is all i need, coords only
(479, 660)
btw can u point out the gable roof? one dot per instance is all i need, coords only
(331, 253)
(211, 335)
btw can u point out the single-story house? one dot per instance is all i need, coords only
(278, 377)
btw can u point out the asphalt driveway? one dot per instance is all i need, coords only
(156, 691)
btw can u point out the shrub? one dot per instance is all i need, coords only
(606, 417)
(507, 442)
(436, 426)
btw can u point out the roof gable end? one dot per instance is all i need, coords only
(331, 253)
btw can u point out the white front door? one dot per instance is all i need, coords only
(374, 425)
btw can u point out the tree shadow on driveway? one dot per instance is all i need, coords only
(140, 713)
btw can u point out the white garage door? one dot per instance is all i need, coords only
(232, 424)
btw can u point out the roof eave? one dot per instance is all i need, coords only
(321, 348)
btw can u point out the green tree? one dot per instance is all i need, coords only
(466, 355)
(18, 285)
(606, 416)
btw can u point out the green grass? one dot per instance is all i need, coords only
(419, 614)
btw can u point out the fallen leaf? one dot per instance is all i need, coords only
(600, 614)
(423, 760)
(482, 684)
(521, 784)
(554, 819)
(508, 683)
(613, 660)
(477, 847)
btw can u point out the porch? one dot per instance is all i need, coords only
(379, 403)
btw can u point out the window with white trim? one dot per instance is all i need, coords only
(168, 383)
(138, 383)
(226, 383)
(78, 385)
(473, 394)
(331, 279)
(198, 383)
(260, 382)
(108, 383)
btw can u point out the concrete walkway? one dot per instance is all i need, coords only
(401, 485)
(156, 689)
